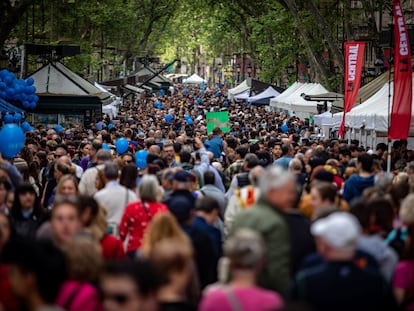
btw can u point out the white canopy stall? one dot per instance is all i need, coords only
(264, 97)
(194, 79)
(295, 103)
(242, 87)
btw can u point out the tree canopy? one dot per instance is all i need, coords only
(305, 35)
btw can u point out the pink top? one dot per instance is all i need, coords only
(75, 295)
(250, 299)
(404, 279)
(136, 219)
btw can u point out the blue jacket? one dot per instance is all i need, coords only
(213, 232)
(355, 185)
(215, 145)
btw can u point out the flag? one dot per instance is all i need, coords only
(354, 58)
(402, 99)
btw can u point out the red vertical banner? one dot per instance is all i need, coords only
(354, 58)
(402, 99)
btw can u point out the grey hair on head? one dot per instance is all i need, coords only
(149, 188)
(245, 249)
(274, 178)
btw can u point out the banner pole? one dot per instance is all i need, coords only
(389, 93)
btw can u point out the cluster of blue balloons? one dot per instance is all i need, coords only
(12, 89)
(158, 105)
(121, 145)
(141, 159)
(12, 140)
(9, 118)
(284, 128)
(27, 127)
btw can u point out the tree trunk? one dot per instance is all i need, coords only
(324, 29)
(322, 74)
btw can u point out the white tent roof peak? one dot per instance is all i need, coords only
(269, 92)
(194, 79)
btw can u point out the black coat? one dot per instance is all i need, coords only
(26, 228)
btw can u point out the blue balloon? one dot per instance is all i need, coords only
(168, 118)
(186, 91)
(121, 145)
(201, 85)
(26, 126)
(3, 74)
(8, 118)
(218, 94)
(162, 92)
(105, 146)
(284, 128)
(59, 128)
(12, 140)
(2, 85)
(17, 117)
(30, 81)
(110, 125)
(141, 159)
(199, 100)
(189, 121)
(226, 103)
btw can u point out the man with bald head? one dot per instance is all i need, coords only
(154, 149)
(62, 157)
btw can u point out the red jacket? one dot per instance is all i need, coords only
(112, 247)
(136, 219)
(7, 299)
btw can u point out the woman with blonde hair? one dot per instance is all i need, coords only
(68, 185)
(163, 226)
(138, 215)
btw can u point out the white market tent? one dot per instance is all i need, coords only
(323, 119)
(194, 79)
(367, 113)
(243, 95)
(264, 97)
(294, 102)
(242, 87)
(285, 94)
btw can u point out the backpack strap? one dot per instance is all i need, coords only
(67, 304)
(234, 301)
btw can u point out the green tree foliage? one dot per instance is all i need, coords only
(277, 34)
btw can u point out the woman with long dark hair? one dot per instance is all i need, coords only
(129, 175)
(27, 215)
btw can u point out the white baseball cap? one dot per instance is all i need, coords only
(340, 230)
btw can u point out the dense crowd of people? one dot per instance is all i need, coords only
(264, 217)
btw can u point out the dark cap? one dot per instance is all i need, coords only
(324, 175)
(182, 176)
(181, 207)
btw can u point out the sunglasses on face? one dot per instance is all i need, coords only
(119, 298)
